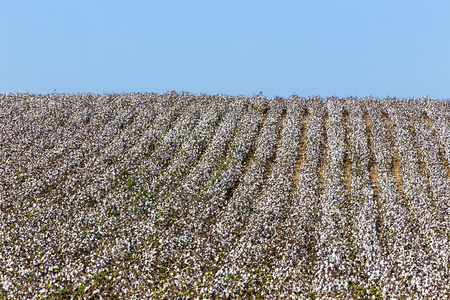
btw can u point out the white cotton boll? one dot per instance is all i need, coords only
(194, 227)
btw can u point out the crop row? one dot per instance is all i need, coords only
(179, 195)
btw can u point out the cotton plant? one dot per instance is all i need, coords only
(174, 195)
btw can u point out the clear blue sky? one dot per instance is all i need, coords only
(315, 47)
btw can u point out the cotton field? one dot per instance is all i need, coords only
(181, 196)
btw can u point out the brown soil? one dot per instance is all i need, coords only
(323, 156)
(441, 155)
(347, 158)
(373, 173)
(272, 159)
(249, 160)
(396, 169)
(301, 150)
(420, 161)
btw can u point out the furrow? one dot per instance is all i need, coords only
(301, 151)
(420, 159)
(442, 158)
(395, 168)
(347, 164)
(373, 175)
(363, 212)
(323, 155)
(270, 163)
(334, 256)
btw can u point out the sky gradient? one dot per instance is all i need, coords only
(316, 47)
